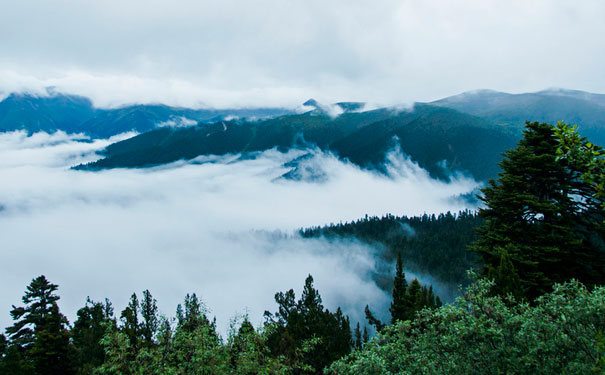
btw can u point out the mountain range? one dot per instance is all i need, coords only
(76, 114)
(464, 133)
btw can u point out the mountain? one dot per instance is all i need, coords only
(466, 132)
(76, 114)
(512, 110)
(45, 113)
(441, 140)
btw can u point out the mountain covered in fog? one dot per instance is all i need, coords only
(439, 139)
(466, 132)
(76, 114)
(552, 105)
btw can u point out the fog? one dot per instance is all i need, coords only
(222, 227)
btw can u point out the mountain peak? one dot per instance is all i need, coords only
(312, 103)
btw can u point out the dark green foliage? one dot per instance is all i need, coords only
(304, 332)
(372, 320)
(541, 218)
(399, 304)
(504, 275)
(431, 244)
(512, 110)
(482, 333)
(357, 340)
(87, 332)
(191, 314)
(130, 324)
(366, 336)
(39, 341)
(428, 134)
(407, 299)
(149, 313)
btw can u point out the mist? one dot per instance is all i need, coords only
(223, 227)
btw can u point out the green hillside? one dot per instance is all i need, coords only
(433, 137)
(550, 106)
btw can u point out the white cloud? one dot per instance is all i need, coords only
(270, 52)
(205, 228)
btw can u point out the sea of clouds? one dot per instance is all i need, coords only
(222, 227)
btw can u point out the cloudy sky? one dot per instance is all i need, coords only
(277, 52)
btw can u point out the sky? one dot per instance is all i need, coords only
(280, 53)
(224, 229)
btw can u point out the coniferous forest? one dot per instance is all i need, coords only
(533, 301)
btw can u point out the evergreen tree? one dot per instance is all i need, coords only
(87, 333)
(131, 326)
(366, 336)
(541, 207)
(39, 339)
(506, 280)
(310, 336)
(414, 297)
(358, 343)
(399, 307)
(149, 313)
(377, 323)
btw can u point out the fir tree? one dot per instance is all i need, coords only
(131, 326)
(541, 207)
(358, 344)
(39, 339)
(399, 307)
(149, 313)
(87, 333)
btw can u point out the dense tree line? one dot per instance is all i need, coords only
(536, 306)
(433, 244)
(302, 337)
(485, 333)
(527, 312)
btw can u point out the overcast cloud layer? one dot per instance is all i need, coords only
(275, 52)
(205, 228)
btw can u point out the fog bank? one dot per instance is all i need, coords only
(222, 227)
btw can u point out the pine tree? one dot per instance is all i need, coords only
(541, 207)
(366, 336)
(131, 326)
(504, 275)
(414, 298)
(358, 343)
(39, 339)
(149, 313)
(308, 335)
(399, 307)
(87, 333)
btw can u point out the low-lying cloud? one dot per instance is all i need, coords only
(222, 227)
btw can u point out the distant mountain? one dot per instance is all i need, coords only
(466, 132)
(45, 113)
(552, 105)
(441, 140)
(76, 114)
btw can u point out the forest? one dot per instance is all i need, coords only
(533, 302)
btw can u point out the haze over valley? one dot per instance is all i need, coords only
(302, 187)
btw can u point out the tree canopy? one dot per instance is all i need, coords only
(544, 214)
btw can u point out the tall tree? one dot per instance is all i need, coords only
(308, 335)
(542, 215)
(39, 337)
(87, 333)
(399, 306)
(131, 326)
(149, 313)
